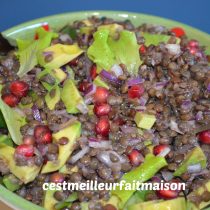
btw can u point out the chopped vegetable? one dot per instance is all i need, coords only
(11, 182)
(52, 97)
(144, 120)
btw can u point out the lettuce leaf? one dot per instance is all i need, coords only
(105, 51)
(13, 120)
(156, 39)
(99, 52)
(28, 50)
(126, 51)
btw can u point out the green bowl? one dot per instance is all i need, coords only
(26, 30)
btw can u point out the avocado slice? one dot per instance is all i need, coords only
(99, 82)
(144, 120)
(198, 193)
(71, 132)
(10, 182)
(53, 97)
(49, 200)
(25, 173)
(174, 204)
(65, 170)
(59, 74)
(62, 54)
(71, 97)
(195, 156)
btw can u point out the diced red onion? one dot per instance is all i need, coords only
(199, 116)
(88, 99)
(100, 144)
(36, 113)
(194, 168)
(132, 142)
(117, 70)
(91, 90)
(186, 105)
(208, 87)
(64, 37)
(156, 179)
(174, 127)
(82, 108)
(167, 176)
(60, 112)
(160, 85)
(79, 155)
(164, 152)
(173, 49)
(109, 77)
(135, 81)
(128, 129)
(43, 148)
(142, 101)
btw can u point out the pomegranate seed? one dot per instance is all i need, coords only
(43, 134)
(93, 72)
(29, 140)
(204, 137)
(74, 62)
(83, 86)
(103, 126)
(193, 43)
(102, 109)
(119, 121)
(159, 149)
(101, 95)
(19, 88)
(135, 157)
(25, 150)
(10, 99)
(136, 91)
(142, 49)
(179, 32)
(193, 50)
(57, 178)
(45, 27)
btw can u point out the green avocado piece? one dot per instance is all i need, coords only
(49, 200)
(11, 182)
(4, 139)
(174, 204)
(71, 97)
(144, 120)
(59, 74)
(71, 132)
(53, 97)
(25, 173)
(195, 156)
(62, 54)
(197, 193)
(100, 83)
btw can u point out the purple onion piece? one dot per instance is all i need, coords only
(90, 90)
(160, 85)
(186, 105)
(109, 77)
(199, 116)
(36, 113)
(135, 81)
(208, 87)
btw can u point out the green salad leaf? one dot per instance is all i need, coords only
(13, 120)
(126, 51)
(100, 52)
(105, 51)
(28, 50)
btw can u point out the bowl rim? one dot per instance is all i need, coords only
(12, 199)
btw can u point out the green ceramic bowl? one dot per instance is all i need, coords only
(26, 30)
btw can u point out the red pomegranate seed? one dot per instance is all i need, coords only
(45, 27)
(142, 49)
(29, 140)
(101, 95)
(43, 134)
(10, 99)
(204, 137)
(136, 91)
(193, 50)
(159, 149)
(102, 109)
(19, 88)
(193, 43)
(57, 178)
(135, 157)
(167, 194)
(119, 121)
(83, 86)
(74, 62)
(103, 126)
(25, 150)
(179, 32)
(93, 72)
